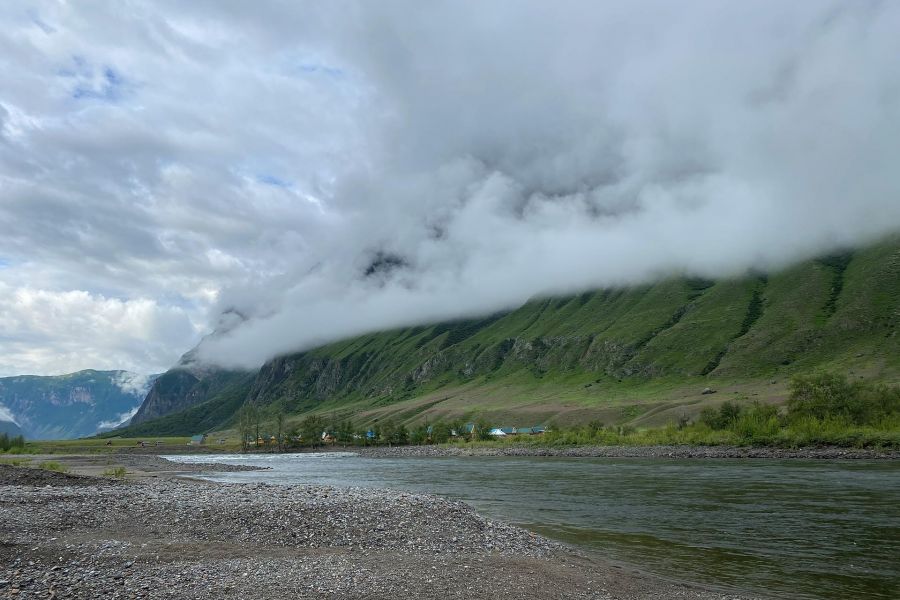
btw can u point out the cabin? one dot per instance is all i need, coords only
(197, 440)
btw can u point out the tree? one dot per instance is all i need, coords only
(441, 432)
(419, 435)
(279, 427)
(343, 431)
(248, 417)
(481, 430)
(311, 429)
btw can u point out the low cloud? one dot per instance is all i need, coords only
(328, 169)
(133, 383)
(539, 150)
(119, 419)
(6, 415)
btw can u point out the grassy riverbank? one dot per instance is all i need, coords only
(822, 410)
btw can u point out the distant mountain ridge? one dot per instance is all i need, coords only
(73, 405)
(623, 355)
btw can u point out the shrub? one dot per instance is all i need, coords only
(830, 396)
(51, 465)
(723, 418)
(118, 472)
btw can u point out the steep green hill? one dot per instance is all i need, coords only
(641, 355)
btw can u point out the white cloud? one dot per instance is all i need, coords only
(161, 162)
(58, 332)
(119, 419)
(6, 415)
(135, 384)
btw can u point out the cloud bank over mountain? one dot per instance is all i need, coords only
(328, 169)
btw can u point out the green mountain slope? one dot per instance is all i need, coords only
(639, 355)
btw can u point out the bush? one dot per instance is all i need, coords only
(829, 396)
(118, 472)
(723, 418)
(51, 465)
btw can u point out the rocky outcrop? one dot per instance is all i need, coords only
(182, 388)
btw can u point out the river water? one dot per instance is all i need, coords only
(776, 528)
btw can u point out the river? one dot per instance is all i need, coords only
(776, 528)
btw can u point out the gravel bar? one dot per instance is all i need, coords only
(67, 536)
(826, 453)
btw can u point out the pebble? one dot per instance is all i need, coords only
(69, 537)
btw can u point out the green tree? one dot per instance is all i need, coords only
(311, 429)
(279, 427)
(344, 431)
(248, 419)
(419, 435)
(482, 430)
(440, 432)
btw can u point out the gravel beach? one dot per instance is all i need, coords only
(703, 452)
(155, 536)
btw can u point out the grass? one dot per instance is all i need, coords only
(97, 445)
(823, 409)
(52, 465)
(15, 462)
(117, 472)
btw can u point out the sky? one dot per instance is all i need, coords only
(290, 173)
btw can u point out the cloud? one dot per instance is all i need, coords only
(328, 169)
(536, 150)
(119, 419)
(133, 383)
(6, 415)
(59, 332)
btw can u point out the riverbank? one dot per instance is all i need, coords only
(151, 536)
(680, 452)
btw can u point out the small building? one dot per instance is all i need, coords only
(198, 440)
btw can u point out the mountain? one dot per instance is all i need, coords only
(10, 428)
(74, 405)
(638, 355)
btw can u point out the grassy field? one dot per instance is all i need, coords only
(96, 445)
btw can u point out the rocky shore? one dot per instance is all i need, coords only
(830, 453)
(71, 536)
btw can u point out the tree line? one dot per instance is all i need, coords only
(257, 426)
